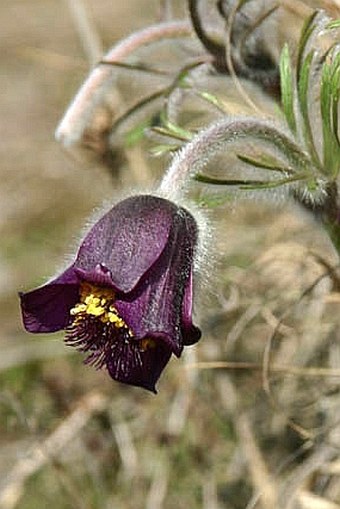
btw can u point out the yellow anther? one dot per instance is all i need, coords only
(88, 299)
(112, 317)
(98, 302)
(94, 310)
(116, 319)
(78, 308)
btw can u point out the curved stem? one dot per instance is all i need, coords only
(213, 140)
(229, 59)
(215, 48)
(81, 110)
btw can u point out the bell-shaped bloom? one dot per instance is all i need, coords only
(126, 300)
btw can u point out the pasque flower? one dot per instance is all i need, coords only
(126, 300)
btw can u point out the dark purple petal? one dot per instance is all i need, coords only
(47, 309)
(191, 333)
(128, 360)
(127, 364)
(100, 275)
(155, 307)
(128, 239)
(143, 249)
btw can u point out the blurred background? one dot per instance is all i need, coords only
(216, 436)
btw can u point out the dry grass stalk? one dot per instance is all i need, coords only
(308, 500)
(158, 489)
(262, 480)
(127, 449)
(86, 30)
(310, 372)
(179, 410)
(210, 497)
(299, 476)
(12, 487)
(19, 355)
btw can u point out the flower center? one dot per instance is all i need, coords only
(98, 302)
(98, 329)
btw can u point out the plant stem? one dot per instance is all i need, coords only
(83, 107)
(211, 141)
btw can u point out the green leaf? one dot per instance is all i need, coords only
(265, 162)
(259, 131)
(307, 30)
(255, 130)
(303, 92)
(333, 24)
(160, 150)
(287, 91)
(163, 92)
(135, 134)
(174, 132)
(250, 184)
(139, 106)
(178, 131)
(181, 76)
(329, 101)
(212, 99)
(134, 67)
(217, 200)
(199, 177)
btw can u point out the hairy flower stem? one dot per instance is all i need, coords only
(213, 140)
(82, 108)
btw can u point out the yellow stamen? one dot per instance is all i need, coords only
(78, 308)
(98, 302)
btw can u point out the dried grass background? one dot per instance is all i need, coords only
(249, 418)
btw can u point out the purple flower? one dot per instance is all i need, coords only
(126, 300)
